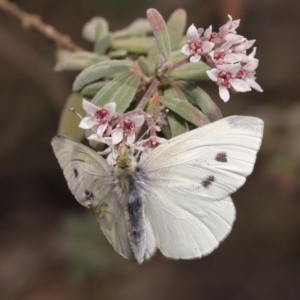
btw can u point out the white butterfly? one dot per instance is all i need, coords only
(176, 199)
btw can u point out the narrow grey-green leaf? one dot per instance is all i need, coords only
(177, 124)
(143, 64)
(201, 99)
(139, 27)
(100, 70)
(160, 32)
(176, 25)
(118, 54)
(120, 90)
(137, 45)
(77, 61)
(92, 89)
(68, 123)
(101, 45)
(95, 29)
(191, 71)
(152, 58)
(185, 110)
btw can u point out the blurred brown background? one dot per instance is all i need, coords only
(51, 248)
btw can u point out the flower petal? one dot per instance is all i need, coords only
(236, 24)
(213, 74)
(101, 129)
(89, 107)
(226, 46)
(240, 85)
(252, 54)
(207, 32)
(224, 94)
(251, 66)
(234, 69)
(110, 159)
(195, 58)
(160, 140)
(236, 38)
(87, 123)
(253, 84)
(138, 120)
(232, 58)
(207, 46)
(111, 108)
(250, 43)
(192, 33)
(186, 49)
(117, 136)
(131, 137)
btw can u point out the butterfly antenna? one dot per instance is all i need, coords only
(159, 119)
(147, 131)
(73, 110)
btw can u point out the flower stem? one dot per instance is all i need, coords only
(31, 21)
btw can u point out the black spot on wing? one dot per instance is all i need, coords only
(221, 157)
(75, 172)
(89, 194)
(208, 181)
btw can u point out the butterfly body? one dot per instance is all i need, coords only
(129, 185)
(176, 199)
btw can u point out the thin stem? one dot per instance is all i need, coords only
(151, 89)
(31, 21)
(179, 63)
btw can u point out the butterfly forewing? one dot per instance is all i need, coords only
(212, 161)
(85, 171)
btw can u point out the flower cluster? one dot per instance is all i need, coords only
(226, 53)
(100, 120)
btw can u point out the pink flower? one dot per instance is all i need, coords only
(227, 32)
(97, 116)
(227, 77)
(247, 73)
(127, 129)
(224, 55)
(149, 144)
(196, 46)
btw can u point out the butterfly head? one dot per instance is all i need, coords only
(124, 159)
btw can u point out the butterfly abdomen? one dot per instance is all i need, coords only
(129, 185)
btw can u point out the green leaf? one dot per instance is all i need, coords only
(185, 110)
(191, 71)
(143, 64)
(160, 32)
(177, 124)
(139, 27)
(77, 61)
(68, 123)
(201, 99)
(100, 70)
(176, 25)
(118, 54)
(120, 90)
(92, 89)
(95, 29)
(101, 45)
(137, 45)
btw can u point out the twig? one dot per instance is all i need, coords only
(30, 21)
